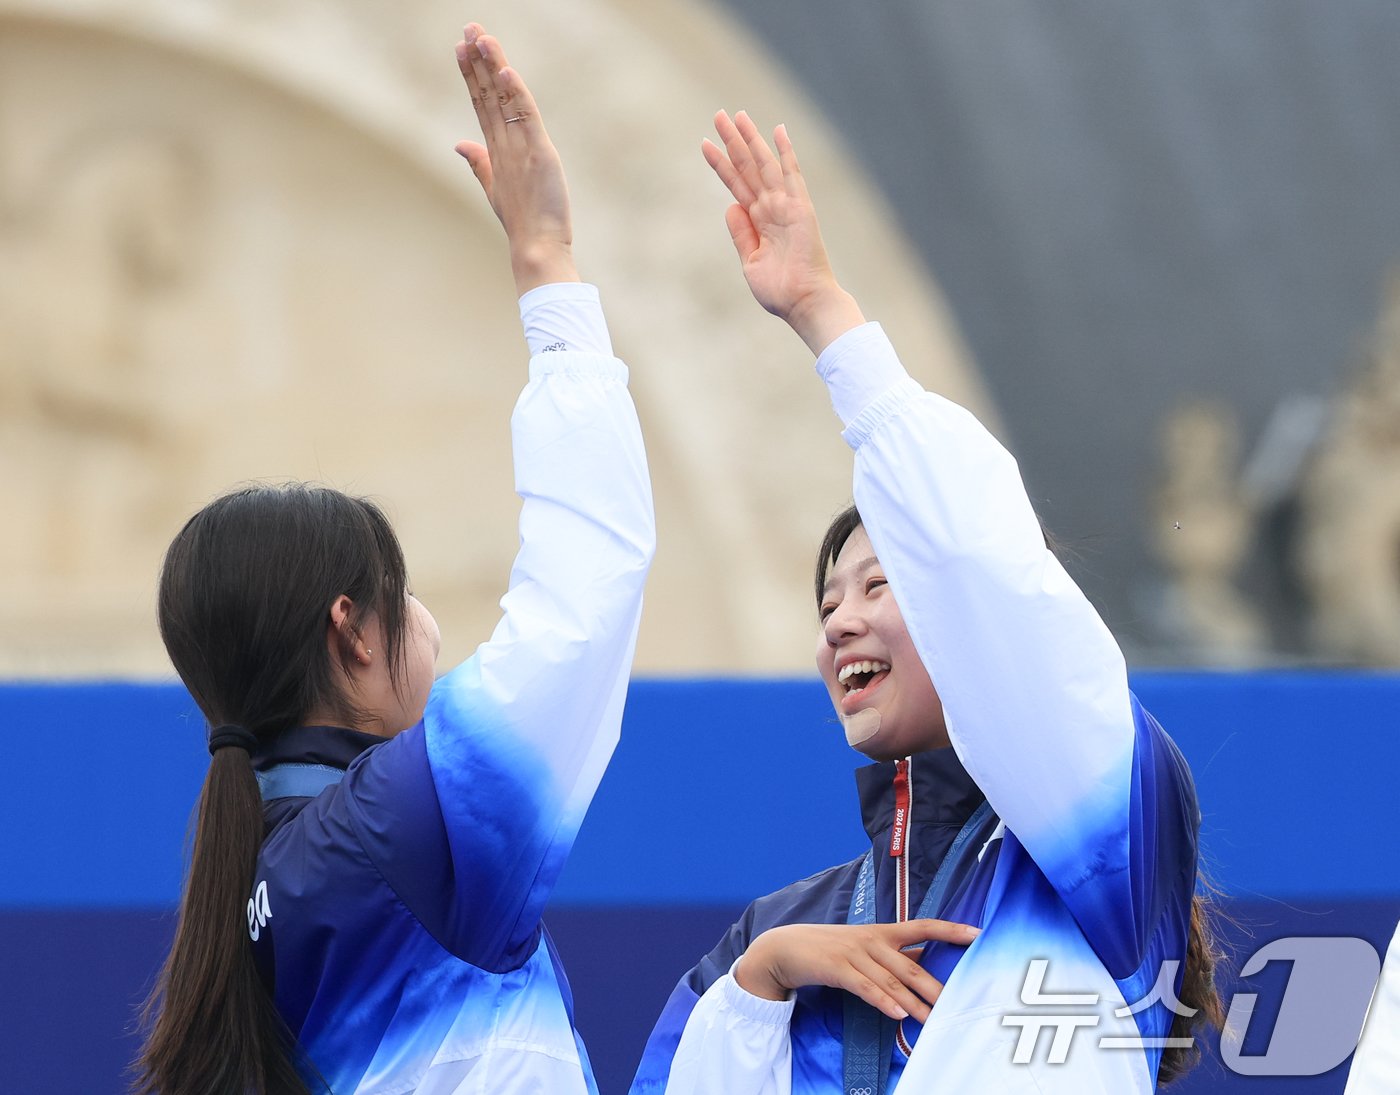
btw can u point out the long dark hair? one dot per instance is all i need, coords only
(1198, 992)
(1203, 1006)
(244, 607)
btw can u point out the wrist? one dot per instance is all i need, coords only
(822, 317)
(754, 976)
(541, 262)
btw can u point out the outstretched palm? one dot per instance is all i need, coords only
(772, 221)
(517, 166)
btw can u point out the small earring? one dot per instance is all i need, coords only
(368, 652)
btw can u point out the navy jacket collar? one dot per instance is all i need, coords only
(332, 745)
(944, 793)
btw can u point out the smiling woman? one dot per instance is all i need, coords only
(1061, 824)
(869, 665)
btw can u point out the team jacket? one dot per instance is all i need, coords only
(1086, 856)
(396, 905)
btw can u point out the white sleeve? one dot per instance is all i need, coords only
(734, 1043)
(1033, 685)
(565, 316)
(518, 736)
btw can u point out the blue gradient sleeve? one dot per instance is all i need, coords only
(660, 1049)
(471, 815)
(1033, 685)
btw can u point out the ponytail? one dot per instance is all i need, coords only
(215, 1029)
(1202, 1006)
(244, 607)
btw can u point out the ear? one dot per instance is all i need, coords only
(342, 638)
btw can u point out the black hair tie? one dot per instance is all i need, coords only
(221, 737)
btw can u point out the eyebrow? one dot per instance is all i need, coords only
(860, 568)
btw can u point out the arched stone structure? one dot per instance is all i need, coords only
(236, 244)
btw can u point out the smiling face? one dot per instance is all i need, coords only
(867, 659)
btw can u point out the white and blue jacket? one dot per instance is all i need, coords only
(396, 906)
(1083, 855)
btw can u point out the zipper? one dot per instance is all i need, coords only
(899, 850)
(899, 840)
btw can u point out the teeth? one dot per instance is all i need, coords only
(848, 671)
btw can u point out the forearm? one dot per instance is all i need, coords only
(538, 262)
(824, 316)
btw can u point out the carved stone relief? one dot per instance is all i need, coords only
(102, 236)
(1349, 537)
(1204, 526)
(237, 244)
(1317, 505)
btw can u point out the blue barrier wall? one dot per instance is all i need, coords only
(720, 791)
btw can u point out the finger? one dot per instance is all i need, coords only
(741, 231)
(738, 151)
(917, 990)
(513, 98)
(787, 159)
(719, 162)
(912, 976)
(764, 161)
(881, 988)
(858, 984)
(938, 931)
(480, 162)
(486, 71)
(469, 62)
(522, 118)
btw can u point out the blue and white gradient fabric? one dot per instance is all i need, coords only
(1092, 867)
(396, 915)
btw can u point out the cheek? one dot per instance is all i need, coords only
(428, 659)
(426, 625)
(914, 678)
(928, 697)
(825, 659)
(925, 706)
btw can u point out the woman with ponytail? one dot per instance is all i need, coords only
(1025, 918)
(373, 848)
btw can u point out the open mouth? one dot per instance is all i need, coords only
(856, 677)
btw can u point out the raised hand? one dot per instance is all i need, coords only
(774, 228)
(518, 166)
(868, 960)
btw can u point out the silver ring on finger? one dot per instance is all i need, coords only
(517, 118)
